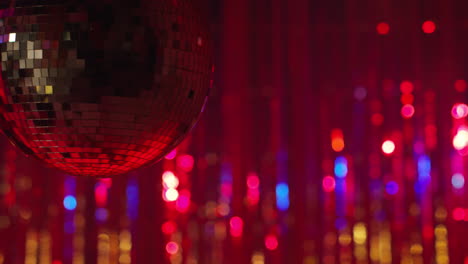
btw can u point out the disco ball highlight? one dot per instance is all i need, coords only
(97, 87)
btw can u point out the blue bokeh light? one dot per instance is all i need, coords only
(458, 181)
(341, 167)
(391, 188)
(69, 202)
(282, 196)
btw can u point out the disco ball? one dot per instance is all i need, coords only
(100, 87)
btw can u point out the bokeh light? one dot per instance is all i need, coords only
(171, 195)
(458, 181)
(458, 214)
(185, 162)
(341, 167)
(406, 87)
(391, 188)
(169, 227)
(282, 196)
(460, 140)
(237, 225)
(388, 147)
(172, 248)
(459, 111)
(328, 184)
(383, 28)
(407, 111)
(428, 27)
(460, 85)
(337, 140)
(271, 242)
(170, 180)
(69, 202)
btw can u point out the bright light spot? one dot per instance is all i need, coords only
(253, 182)
(407, 99)
(359, 233)
(185, 162)
(183, 202)
(100, 194)
(458, 181)
(172, 248)
(12, 37)
(383, 28)
(428, 27)
(271, 242)
(171, 195)
(69, 202)
(391, 188)
(460, 140)
(341, 167)
(459, 111)
(460, 85)
(171, 155)
(328, 184)
(458, 214)
(407, 111)
(337, 140)
(406, 87)
(170, 181)
(169, 227)
(237, 224)
(282, 196)
(388, 147)
(360, 93)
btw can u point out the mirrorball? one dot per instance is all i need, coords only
(99, 87)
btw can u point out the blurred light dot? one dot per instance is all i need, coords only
(169, 227)
(185, 162)
(406, 87)
(337, 140)
(101, 214)
(383, 28)
(458, 181)
(237, 224)
(391, 188)
(69, 202)
(183, 202)
(377, 119)
(407, 98)
(170, 180)
(171, 195)
(341, 167)
(407, 111)
(360, 93)
(282, 196)
(458, 214)
(172, 248)
(253, 182)
(428, 27)
(459, 111)
(460, 140)
(388, 147)
(271, 242)
(12, 37)
(460, 85)
(171, 155)
(328, 183)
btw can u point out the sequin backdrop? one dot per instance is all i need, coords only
(335, 133)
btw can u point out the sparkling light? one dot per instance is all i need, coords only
(407, 111)
(172, 248)
(459, 111)
(458, 181)
(383, 28)
(171, 195)
(328, 184)
(69, 202)
(170, 181)
(341, 167)
(388, 147)
(428, 27)
(271, 242)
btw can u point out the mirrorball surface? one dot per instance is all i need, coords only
(99, 87)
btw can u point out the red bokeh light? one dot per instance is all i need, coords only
(388, 147)
(337, 140)
(171, 155)
(172, 248)
(407, 111)
(460, 85)
(100, 194)
(458, 214)
(271, 242)
(428, 27)
(237, 224)
(377, 119)
(328, 183)
(183, 202)
(185, 162)
(407, 98)
(253, 182)
(406, 87)
(459, 111)
(383, 28)
(169, 227)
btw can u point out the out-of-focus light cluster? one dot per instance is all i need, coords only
(460, 140)
(253, 190)
(236, 225)
(328, 184)
(459, 111)
(407, 99)
(170, 183)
